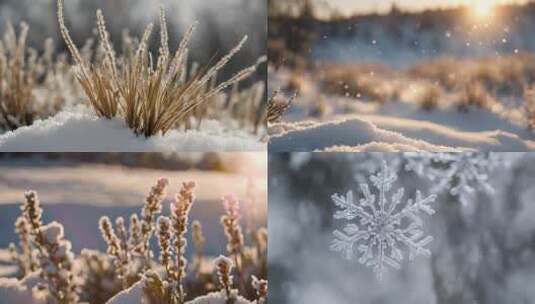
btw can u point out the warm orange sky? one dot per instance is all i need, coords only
(348, 7)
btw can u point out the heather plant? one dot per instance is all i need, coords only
(152, 207)
(25, 258)
(128, 271)
(151, 97)
(54, 255)
(261, 287)
(198, 243)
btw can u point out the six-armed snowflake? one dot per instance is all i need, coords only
(378, 227)
(461, 174)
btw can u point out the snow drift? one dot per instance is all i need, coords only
(78, 129)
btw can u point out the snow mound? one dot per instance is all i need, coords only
(378, 133)
(318, 136)
(497, 140)
(136, 295)
(219, 297)
(78, 129)
(133, 295)
(374, 147)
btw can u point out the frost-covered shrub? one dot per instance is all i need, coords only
(50, 273)
(54, 258)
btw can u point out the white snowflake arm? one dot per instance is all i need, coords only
(414, 207)
(349, 210)
(344, 242)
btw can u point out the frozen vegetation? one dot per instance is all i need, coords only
(108, 96)
(189, 247)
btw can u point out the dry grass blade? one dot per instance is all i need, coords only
(98, 83)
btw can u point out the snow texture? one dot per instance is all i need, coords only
(352, 124)
(136, 295)
(379, 227)
(15, 291)
(344, 135)
(78, 129)
(133, 295)
(219, 297)
(52, 232)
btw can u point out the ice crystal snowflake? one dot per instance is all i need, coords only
(460, 174)
(364, 164)
(378, 227)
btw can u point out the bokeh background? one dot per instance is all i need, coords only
(222, 23)
(482, 252)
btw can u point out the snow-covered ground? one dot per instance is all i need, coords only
(78, 129)
(440, 79)
(322, 121)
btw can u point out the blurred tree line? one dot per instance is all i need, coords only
(160, 161)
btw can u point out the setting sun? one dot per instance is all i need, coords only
(483, 8)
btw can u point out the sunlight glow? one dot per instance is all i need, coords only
(483, 8)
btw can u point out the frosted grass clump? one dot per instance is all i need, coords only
(378, 227)
(153, 94)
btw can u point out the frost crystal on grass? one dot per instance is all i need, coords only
(460, 174)
(378, 227)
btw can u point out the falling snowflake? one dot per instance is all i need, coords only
(377, 228)
(460, 174)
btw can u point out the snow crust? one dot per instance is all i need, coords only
(348, 124)
(135, 295)
(348, 133)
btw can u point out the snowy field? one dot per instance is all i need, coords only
(466, 246)
(322, 121)
(433, 81)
